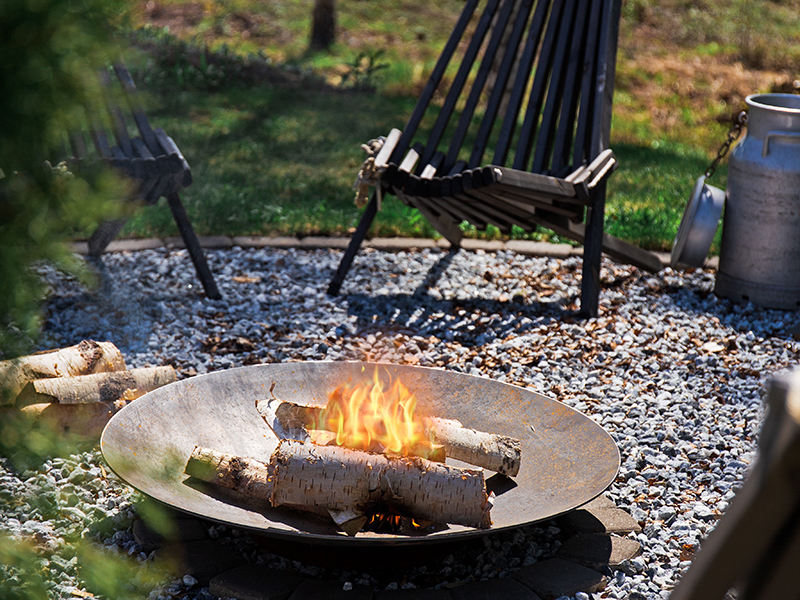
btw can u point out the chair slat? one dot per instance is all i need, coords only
(535, 182)
(500, 86)
(535, 31)
(459, 81)
(410, 130)
(476, 91)
(584, 149)
(78, 145)
(101, 144)
(560, 161)
(555, 90)
(139, 117)
(117, 119)
(604, 77)
(539, 87)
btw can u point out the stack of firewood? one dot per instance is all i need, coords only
(74, 391)
(350, 485)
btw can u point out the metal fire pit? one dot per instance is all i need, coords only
(567, 458)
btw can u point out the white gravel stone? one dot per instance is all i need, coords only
(674, 374)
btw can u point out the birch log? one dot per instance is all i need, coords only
(309, 477)
(246, 475)
(491, 451)
(100, 387)
(297, 419)
(84, 358)
(289, 428)
(304, 474)
(75, 422)
(495, 452)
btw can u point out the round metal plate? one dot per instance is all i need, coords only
(567, 458)
(698, 225)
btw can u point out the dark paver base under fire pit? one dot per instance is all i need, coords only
(594, 545)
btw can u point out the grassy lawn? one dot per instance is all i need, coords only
(273, 133)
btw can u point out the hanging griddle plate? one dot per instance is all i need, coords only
(567, 459)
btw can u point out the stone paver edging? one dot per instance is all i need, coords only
(581, 566)
(524, 247)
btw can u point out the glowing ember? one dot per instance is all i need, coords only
(394, 523)
(377, 417)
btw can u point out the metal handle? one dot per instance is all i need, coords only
(785, 135)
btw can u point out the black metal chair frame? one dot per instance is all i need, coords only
(151, 160)
(553, 64)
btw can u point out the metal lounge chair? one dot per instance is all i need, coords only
(151, 160)
(532, 88)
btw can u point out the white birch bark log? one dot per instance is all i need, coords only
(495, 452)
(99, 387)
(344, 479)
(82, 359)
(73, 422)
(305, 476)
(288, 427)
(283, 424)
(246, 475)
(492, 451)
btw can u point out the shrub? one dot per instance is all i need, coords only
(49, 54)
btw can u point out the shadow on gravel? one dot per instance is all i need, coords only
(470, 321)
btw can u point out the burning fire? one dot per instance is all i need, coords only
(377, 417)
(393, 523)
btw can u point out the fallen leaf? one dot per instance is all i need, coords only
(245, 279)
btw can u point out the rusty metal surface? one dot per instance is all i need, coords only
(567, 458)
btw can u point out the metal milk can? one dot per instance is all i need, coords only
(759, 257)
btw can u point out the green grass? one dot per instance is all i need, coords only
(279, 162)
(277, 159)
(648, 193)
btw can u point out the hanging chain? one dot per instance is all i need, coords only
(733, 135)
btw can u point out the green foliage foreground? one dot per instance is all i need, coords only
(49, 54)
(50, 51)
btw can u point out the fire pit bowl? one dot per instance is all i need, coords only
(567, 459)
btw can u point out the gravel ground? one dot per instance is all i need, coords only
(675, 374)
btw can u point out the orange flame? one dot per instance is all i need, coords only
(377, 417)
(392, 523)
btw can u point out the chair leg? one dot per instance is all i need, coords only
(592, 255)
(193, 246)
(350, 254)
(104, 235)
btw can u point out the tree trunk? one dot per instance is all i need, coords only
(323, 30)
